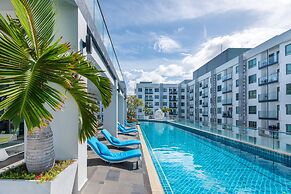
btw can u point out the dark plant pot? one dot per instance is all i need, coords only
(40, 154)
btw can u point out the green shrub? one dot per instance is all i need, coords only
(20, 172)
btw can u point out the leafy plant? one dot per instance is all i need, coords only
(21, 172)
(36, 68)
(30, 60)
(132, 104)
(147, 111)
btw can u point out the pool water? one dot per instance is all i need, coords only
(189, 163)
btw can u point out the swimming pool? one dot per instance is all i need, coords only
(189, 163)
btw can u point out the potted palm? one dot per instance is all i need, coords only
(166, 111)
(35, 69)
(133, 103)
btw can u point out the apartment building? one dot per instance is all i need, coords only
(242, 88)
(155, 96)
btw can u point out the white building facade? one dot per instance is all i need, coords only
(243, 88)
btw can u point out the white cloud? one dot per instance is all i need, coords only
(246, 39)
(172, 73)
(166, 44)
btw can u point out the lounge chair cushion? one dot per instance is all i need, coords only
(114, 139)
(104, 149)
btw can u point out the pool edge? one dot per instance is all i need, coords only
(155, 183)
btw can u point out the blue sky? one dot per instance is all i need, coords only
(166, 40)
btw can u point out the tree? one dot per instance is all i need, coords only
(31, 61)
(147, 111)
(166, 110)
(132, 104)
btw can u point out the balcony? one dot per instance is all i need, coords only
(148, 92)
(273, 78)
(149, 99)
(268, 62)
(227, 114)
(227, 89)
(205, 104)
(205, 95)
(205, 113)
(172, 99)
(205, 85)
(271, 115)
(227, 101)
(173, 92)
(268, 97)
(226, 77)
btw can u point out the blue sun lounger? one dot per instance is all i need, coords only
(126, 123)
(113, 157)
(116, 142)
(124, 130)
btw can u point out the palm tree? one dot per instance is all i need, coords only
(31, 61)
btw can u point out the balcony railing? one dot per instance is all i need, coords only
(205, 113)
(273, 115)
(172, 99)
(205, 104)
(227, 114)
(227, 89)
(268, 62)
(267, 97)
(149, 99)
(227, 101)
(97, 18)
(205, 95)
(226, 77)
(205, 85)
(173, 92)
(149, 92)
(273, 78)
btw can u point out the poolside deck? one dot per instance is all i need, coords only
(115, 178)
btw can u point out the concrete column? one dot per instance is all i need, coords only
(121, 108)
(110, 114)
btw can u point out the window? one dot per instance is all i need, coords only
(139, 96)
(288, 109)
(182, 90)
(253, 124)
(236, 83)
(156, 96)
(218, 76)
(165, 104)
(165, 97)
(288, 68)
(182, 111)
(236, 69)
(219, 88)
(139, 89)
(200, 84)
(252, 94)
(219, 121)
(288, 128)
(288, 89)
(288, 49)
(237, 110)
(139, 110)
(182, 97)
(182, 104)
(252, 110)
(252, 79)
(218, 110)
(200, 110)
(157, 89)
(200, 93)
(200, 102)
(218, 99)
(157, 104)
(237, 96)
(165, 89)
(252, 63)
(237, 122)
